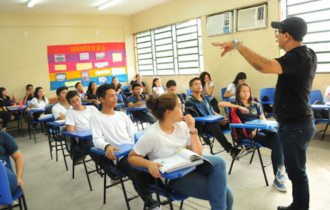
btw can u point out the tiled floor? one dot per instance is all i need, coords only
(49, 186)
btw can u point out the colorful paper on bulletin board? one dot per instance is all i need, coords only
(97, 62)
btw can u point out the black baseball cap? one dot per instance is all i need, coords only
(295, 26)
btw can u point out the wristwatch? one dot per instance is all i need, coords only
(193, 132)
(236, 41)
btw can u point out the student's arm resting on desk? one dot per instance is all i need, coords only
(141, 149)
(228, 95)
(58, 115)
(224, 104)
(69, 121)
(262, 64)
(19, 162)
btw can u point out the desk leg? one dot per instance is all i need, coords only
(20, 123)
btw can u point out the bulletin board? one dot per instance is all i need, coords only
(98, 62)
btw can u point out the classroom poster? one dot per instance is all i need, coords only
(97, 62)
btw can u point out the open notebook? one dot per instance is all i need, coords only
(262, 122)
(15, 107)
(46, 116)
(183, 158)
(59, 121)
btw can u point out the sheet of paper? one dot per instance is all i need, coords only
(117, 57)
(60, 67)
(84, 66)
(118, 71)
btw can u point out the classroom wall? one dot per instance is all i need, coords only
(23, 59)
(222, 70)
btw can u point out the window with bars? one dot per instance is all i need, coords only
(170, 50)
(316, 13)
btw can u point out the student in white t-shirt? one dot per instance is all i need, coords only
(77, 119)
(161, 140)
(157, 87)
(231, 89)
(112, 128)
(59, 110)
(39, 102)
(208, 88)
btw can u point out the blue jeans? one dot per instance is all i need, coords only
(146, 116)
(295, 139)
(13, 183)
(207, 183)
(269, 138)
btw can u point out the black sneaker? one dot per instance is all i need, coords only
(236, 153)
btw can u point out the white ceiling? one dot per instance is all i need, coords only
(124, 7)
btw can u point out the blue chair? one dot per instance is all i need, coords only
(138, 135)
(248, 142)
(188, 92)
(113, 172)
(5, 195)
(126, 90)
(270, 93)
(316, 96)
(223, 90)
(120, 97)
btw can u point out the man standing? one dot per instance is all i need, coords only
(296, 71)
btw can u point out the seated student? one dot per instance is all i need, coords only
(8, 147)
(116, 85)
(171, 87)
(208, 87)
(157, 87)
(138, 79)
(201, 104)
(231, 89)
(110, 129)
(39, 101)
(248, 110)
(91, 95)
(169, 133)
(29, 94)
(137, 99)
(322, 113)
(5, 114)
(79, 88)
(77, 119)
(59, 110)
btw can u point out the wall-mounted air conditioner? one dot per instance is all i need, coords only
(252, 18)
(219, 24)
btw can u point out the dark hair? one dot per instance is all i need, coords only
(71, 94)
(135, 85)
(60, 89)
(239, 76)
(36, 94)
(202, 77)
(89, 89)
(101, 90)
(238, 90)
(76, 85)
(191, 82)
(170, 83)
(29, 85)
(137, 75)
(159, 105)
(112, 79)
(153, 82)
(1, 89)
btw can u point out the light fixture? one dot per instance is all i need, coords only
(107, 4)
(32, 3)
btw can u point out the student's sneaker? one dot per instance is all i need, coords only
(115, 181)
(156, 208)
(280, 177)
(236, 153)
(279, 186)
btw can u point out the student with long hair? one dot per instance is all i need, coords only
(91, 95)
(248, 110)
(79, 87)
(231, 89)
(138, 79)
(39, 102)
(208, 87)
(117, 85)
(169, 133)
(157, 87)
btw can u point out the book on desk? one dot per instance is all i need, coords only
(261, 122)
(59, 121)
(183, 158)
(45, 116)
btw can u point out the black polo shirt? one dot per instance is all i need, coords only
(294, 86)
